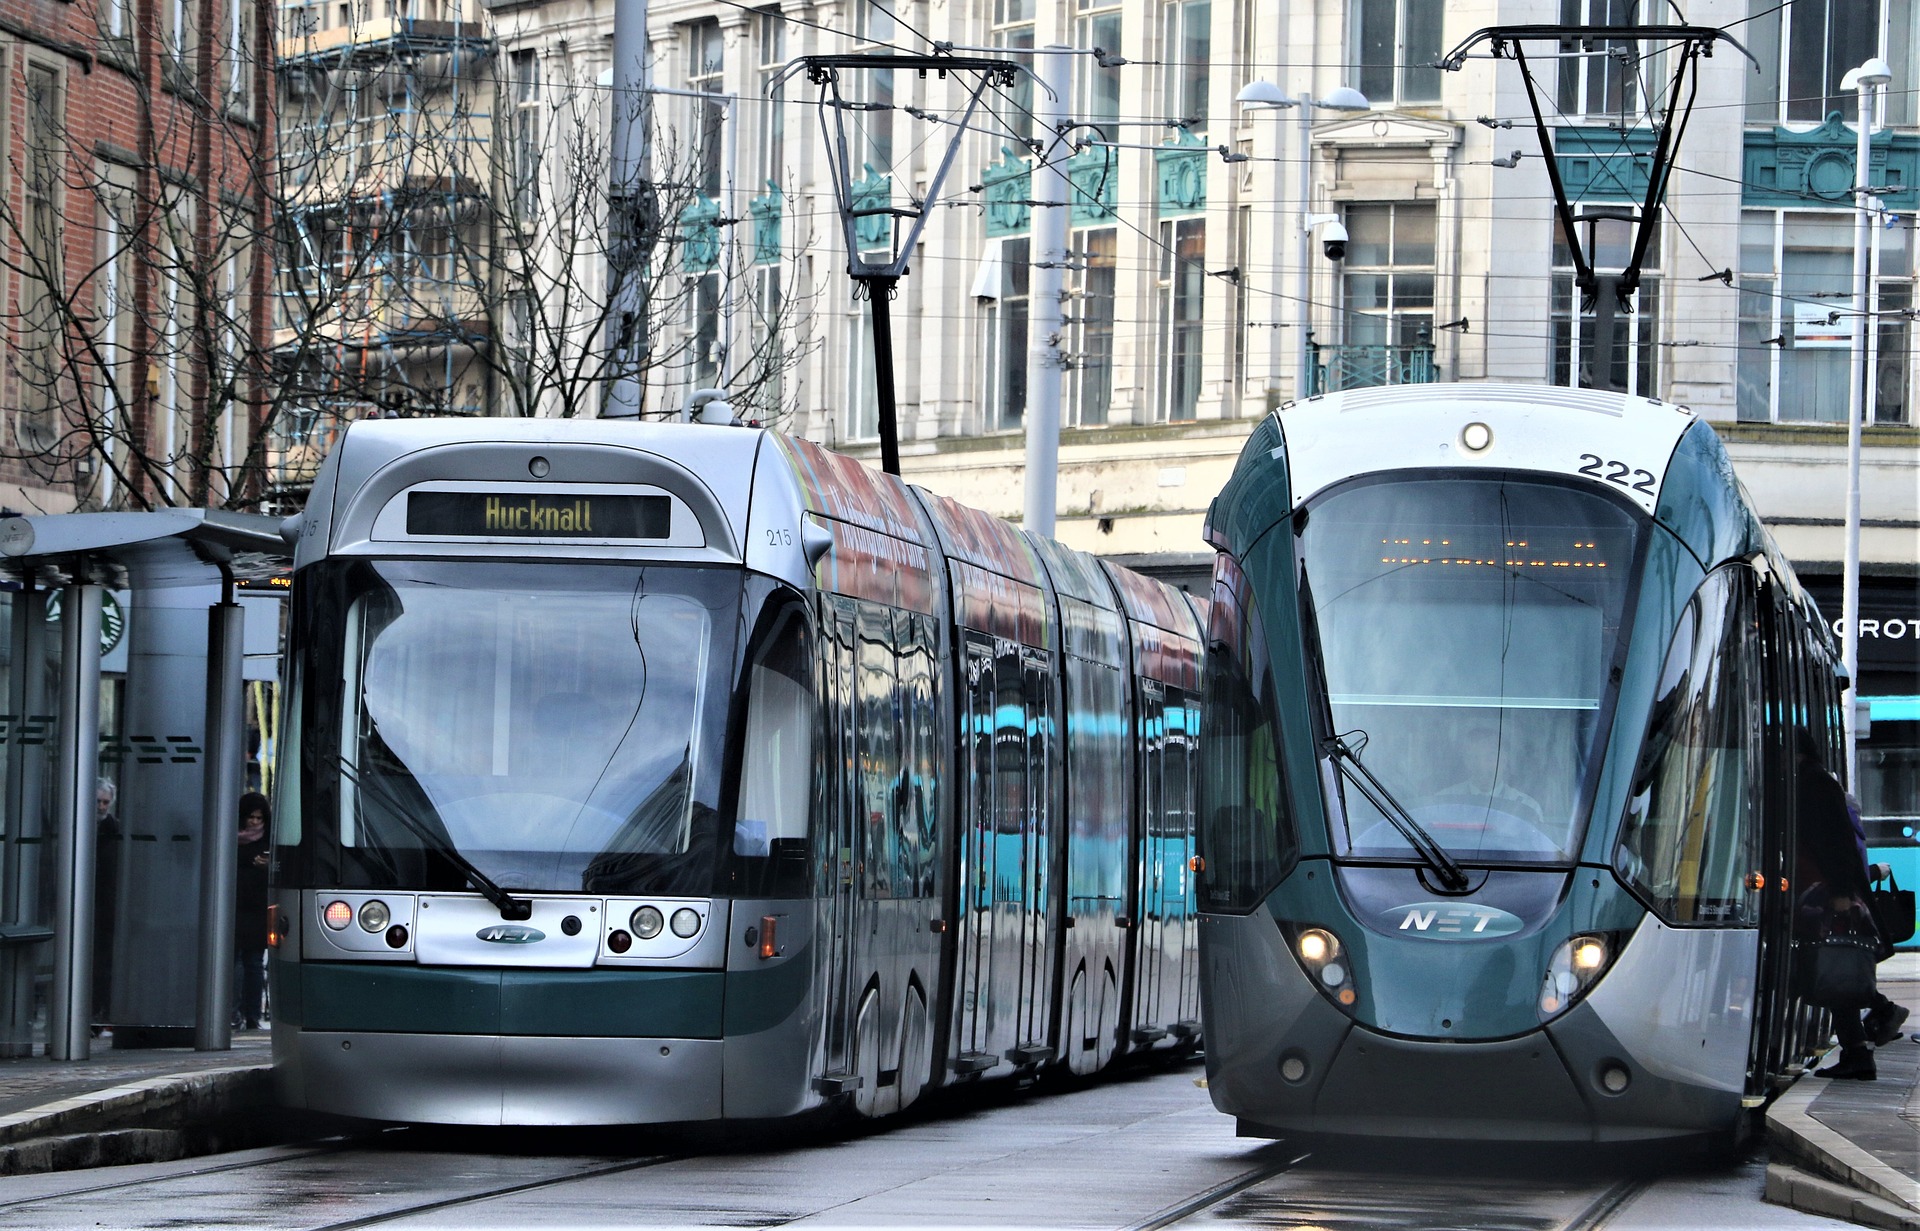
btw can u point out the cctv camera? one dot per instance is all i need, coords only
(1333, 242)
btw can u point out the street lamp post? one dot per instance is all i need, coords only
(1266, 96)
(1868, 78)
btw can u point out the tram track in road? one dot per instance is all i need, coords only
(489, 1194)
(1344, 1198)
(1267, 1170)
(91, 1190)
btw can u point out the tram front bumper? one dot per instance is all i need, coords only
(499, 1079)
(1557, 1084)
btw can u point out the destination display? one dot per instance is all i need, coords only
(538, 515)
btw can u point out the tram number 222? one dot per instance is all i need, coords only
(1617, 472)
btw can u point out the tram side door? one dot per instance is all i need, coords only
(1034, 993)
(1180, 936)
(838, 663)
(1150, 988)
(974, 982)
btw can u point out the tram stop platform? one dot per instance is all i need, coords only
(1851, 1149)
(134, 1106)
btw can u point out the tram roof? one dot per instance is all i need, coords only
(1531, 427)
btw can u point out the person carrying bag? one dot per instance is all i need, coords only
(1839, 943)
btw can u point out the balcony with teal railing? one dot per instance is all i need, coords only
(1365, 365)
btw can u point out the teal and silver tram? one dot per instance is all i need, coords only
(656, 773)
(1496, 791)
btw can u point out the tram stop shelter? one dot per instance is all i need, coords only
(167, 912)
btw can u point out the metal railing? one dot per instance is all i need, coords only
(1365, 365)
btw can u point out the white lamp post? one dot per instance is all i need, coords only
(1869, 77)
(1266, 96)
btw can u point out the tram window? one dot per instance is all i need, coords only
(549, 723)
(1465, 630)
(776, 765)
(1689, 838)
(876, 689)
(919, 757)
(1246, 830)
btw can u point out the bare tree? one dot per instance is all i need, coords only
(397, 218)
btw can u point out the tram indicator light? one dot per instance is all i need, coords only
(538, 515)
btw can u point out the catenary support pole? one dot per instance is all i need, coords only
(1867, 79)
(220, 819)
(71, 996)
(1046, 366)
(880, 299)
(628, 210)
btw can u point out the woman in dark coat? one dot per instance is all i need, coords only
(250, 913)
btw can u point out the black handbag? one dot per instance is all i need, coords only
(1892, 909)
(1836, 971)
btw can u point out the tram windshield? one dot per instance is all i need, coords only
(1467, 629)
(557, 727)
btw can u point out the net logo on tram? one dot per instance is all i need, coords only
(1443, 919)
(510, 934)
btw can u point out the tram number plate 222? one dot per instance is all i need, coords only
(1617, 472)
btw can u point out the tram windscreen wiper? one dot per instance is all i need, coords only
(511, 908)
(1451, 875)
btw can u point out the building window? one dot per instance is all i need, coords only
(763, 397)
(863, 394)
(1395, 43)
(1632, 368)
(1090, 400)
(873, 30)
(116, 312)
(1188, 52)
(770, 36)
(1013, 29)
(44, 285)
(177, 41)
(1806, 48)
(1796, 333)
(1387, 279)
(526, 132)
(1005, 342)
(1182, 304)
(1602, 79)
(706, 358)
(1237, 334)
(706, 68)
(1096, 90)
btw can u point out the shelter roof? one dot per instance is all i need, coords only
(170, 547)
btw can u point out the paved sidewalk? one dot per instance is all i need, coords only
(33, 1081)
(1851, 1149)
(142, 1105)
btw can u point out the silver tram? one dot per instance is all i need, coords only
(657, 773)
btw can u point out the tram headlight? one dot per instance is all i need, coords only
(1325, 960)
(337, 915)
(1317, 946)
(1573, 968)
(374, 915)
(647, 922)
(685, 922)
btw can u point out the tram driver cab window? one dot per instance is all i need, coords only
(776, 765)
(1689, 835)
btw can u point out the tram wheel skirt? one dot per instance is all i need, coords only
(500, 1079)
